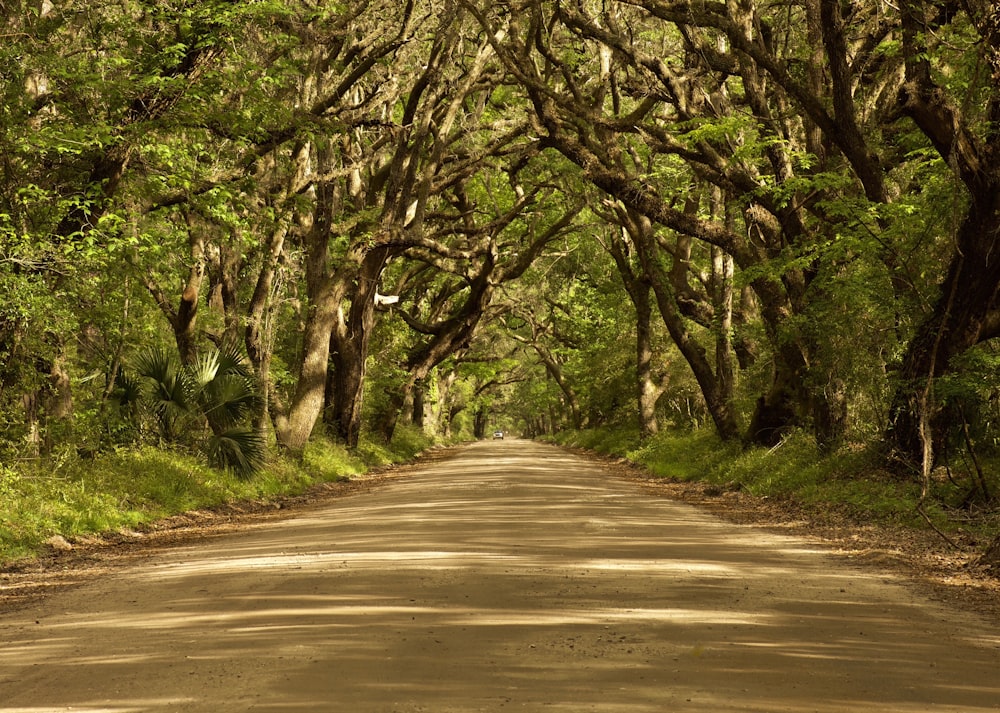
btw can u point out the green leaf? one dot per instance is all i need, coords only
(242, 451)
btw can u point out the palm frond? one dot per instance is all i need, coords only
(173, 394)
(127, 391)
(227, 400)
(155, 363)
(232, 361)
(168, 391)
(242, 451)
(217, 388)
(204, 369)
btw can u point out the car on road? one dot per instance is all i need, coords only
(498, 435)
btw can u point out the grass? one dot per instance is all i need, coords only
(134, 487)
(407, 442)
(849, 481)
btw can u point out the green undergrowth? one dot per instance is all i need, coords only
(848, 482)
(80, 497)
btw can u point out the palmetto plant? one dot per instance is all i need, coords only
(209, 401)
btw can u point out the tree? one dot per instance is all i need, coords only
(794, 116)
(81, 91)
(764, 177)
(966, 136)
(620, 244)
(415, 163)
(567, 104)
(509, 242)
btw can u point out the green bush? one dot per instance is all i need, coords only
(610, 441)
(407, 442)
(684, 455)
(846, 481)
(328, 461)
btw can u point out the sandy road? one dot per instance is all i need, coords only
(512, 576)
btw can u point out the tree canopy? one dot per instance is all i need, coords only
(231, 225)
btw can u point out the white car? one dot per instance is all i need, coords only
(498, 435)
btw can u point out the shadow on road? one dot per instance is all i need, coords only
(510, 576)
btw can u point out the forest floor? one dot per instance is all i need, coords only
(947, 573)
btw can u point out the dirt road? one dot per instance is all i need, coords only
(511, 576)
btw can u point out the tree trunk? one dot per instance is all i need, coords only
(830, 416)
(56, 399)
(722, 302)
(448, 423)
(479, 424)
(775, 412)
(969, 289)
(554, 370)
(647, 391)
(325, 292)
(183, 319)
(441, 411)
(348, 349)
(450, 337)
(224, 269)
(418, 418)
(347, 377)
(745, 349)
(637, 287)
(787, 401)
(258, 335)
(968, 294)
(33, 436)
(307, 403)
(717, 394)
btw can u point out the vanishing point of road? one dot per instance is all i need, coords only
(509, 576)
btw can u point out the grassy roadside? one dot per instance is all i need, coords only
(845, 482)
(132, 488)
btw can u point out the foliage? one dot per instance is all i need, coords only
(216, 391)
(804, 225)
(329, 461)
(849, 483)
(406, 444)
(131, 488)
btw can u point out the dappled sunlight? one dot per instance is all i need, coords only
(467, 588)
(431, 560)
(139, 705)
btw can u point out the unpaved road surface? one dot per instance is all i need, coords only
(510, 576)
